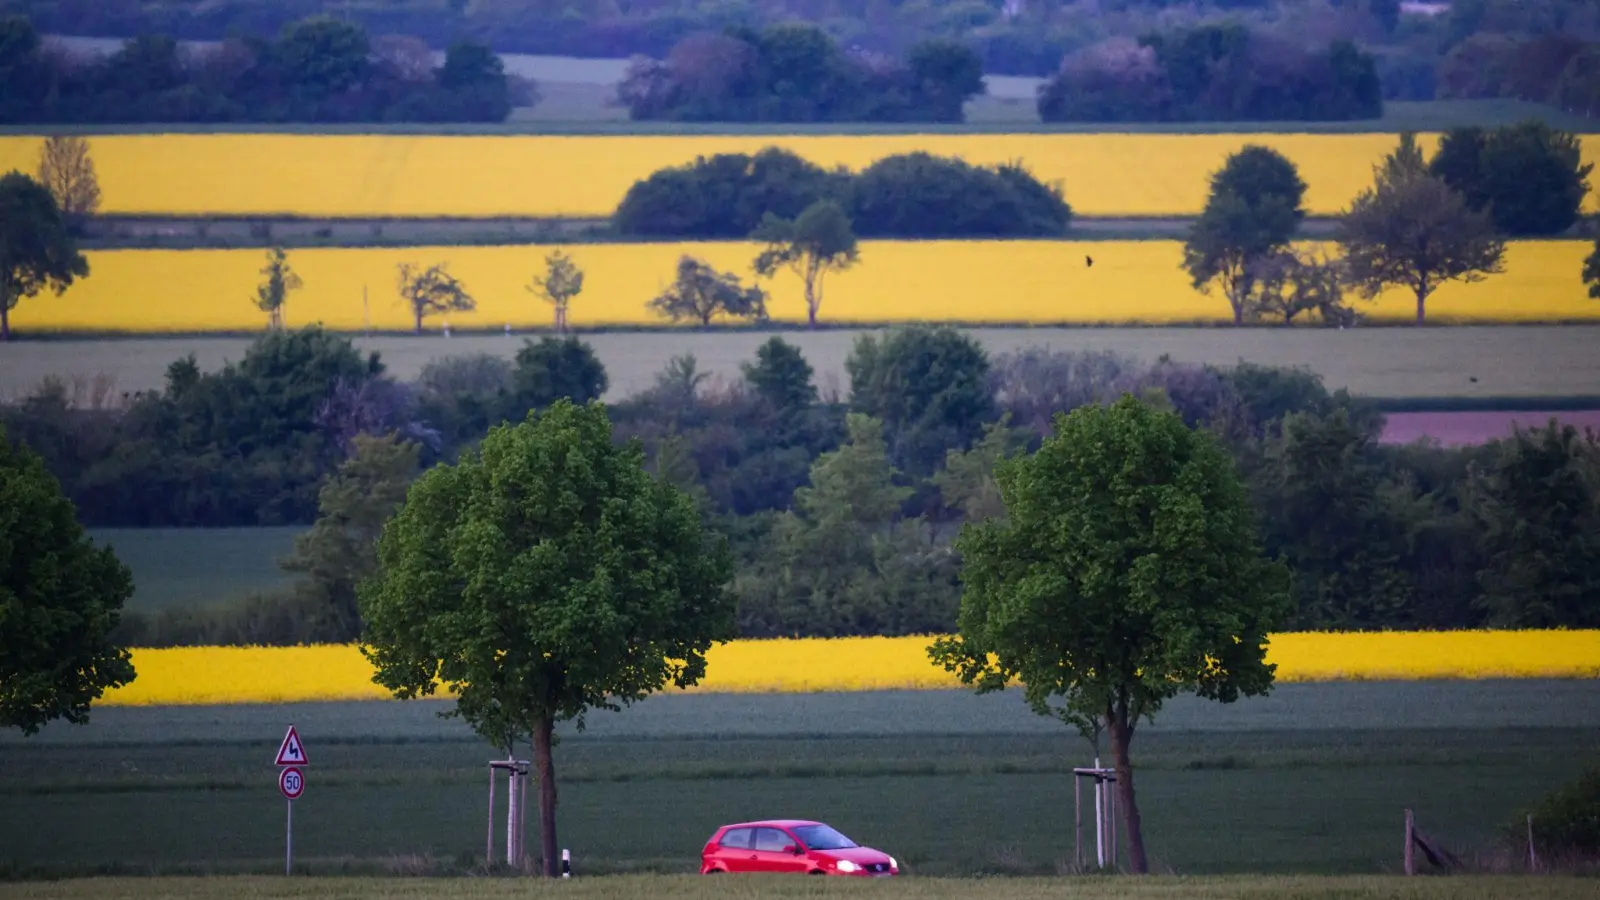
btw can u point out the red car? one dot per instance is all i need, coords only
(791, 845)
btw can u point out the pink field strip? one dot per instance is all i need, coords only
(1454, 429)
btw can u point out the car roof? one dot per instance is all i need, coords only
(773, 823)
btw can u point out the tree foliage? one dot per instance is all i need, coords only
(929, 388)
(431, 291)
(553, 369)
(319, 69)
(907, 195)
(846, 560)
(700, 293)
(781, 376)
(1213, 72)
(818, 241)
(37, 252)
(60, 599)
(67, 171)
(1125, 572)
(278, 279)
(561, 282)
(795, 72)
(1529, 178)
(1250, 216)
(544, 576)
(1537, 500)
(341, 548)
(1412, 230)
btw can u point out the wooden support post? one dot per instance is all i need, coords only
(1077, 821)
(1533, 860)
(1411, 863)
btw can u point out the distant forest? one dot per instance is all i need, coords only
(1461, 49)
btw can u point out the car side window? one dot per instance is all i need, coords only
(737, 839)
(771, 840)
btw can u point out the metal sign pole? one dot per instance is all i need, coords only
(288, 838)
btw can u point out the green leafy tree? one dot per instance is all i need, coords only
(432, 291)
(322, 56)
(561, 282)
(1325, 512)
(1126, 572)
(1529, 178)
(544, 576)
(341, 549)
(476, 79)
(929, 387)
(1251, 215)
(552, 369)
(701, 293)
(845, 561)
(36, 249)
(816, 242)
(781, 376)
(60, 599)
(1537, 506)
(944, 75)
(967, 480)
(277, 280)
(1412, 230)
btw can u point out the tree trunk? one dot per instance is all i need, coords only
(5, 322)
(544, 770)
(1121, 735)
(1422, 305)
(419, 321)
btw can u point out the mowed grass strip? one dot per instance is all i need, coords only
(329, 176)
(1467, 363)
(976, 282)
(650, 887)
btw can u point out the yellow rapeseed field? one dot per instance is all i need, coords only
(327, 176)
(1037, 282)
(210, 675)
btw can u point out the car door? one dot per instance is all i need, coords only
(734, 850)
(771, 853)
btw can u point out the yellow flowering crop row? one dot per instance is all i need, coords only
(330, 176)
(1040, 282)
(215, 675)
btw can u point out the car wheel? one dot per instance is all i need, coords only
(816, 872)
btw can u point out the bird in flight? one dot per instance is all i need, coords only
(1088, 261)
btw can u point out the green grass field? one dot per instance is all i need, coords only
(1310, 780)
(199, 566)
(1506, 361)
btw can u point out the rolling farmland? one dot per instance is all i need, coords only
(327, 176)
(989, 282)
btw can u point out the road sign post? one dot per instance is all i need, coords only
(291, 783)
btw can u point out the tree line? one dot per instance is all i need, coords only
(908, 195)
(1213, 73)
(839, 509)
(796, 72)
(317, 69)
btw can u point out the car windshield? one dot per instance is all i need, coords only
(821, 837)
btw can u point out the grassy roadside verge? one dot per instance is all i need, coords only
(685, 886)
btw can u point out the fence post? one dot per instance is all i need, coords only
(1411, 864)
(1533, 860)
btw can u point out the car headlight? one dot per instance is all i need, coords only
(893, 864)
(846, 865)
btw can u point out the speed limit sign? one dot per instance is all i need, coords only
(292, 782)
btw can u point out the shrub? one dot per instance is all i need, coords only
(1567, 821)
(913, 195)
